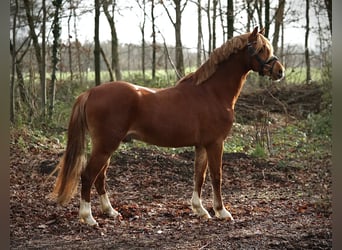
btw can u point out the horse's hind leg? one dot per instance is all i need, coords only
(201, 163)
(100, 184)
(214, 152)
(96, 164)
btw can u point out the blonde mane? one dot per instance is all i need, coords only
(221, 54)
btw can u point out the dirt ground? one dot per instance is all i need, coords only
(275, 205)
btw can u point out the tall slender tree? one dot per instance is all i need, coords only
(56, 30)
(215, 2)
(250, 14)
(328, 5)
(114, 37)
(267, 17)
(154, 43)
(306, 43)
(279, 18)
(39, 52)
(143, 41)
(230, 18)
(97, 49)
(177, 24)
(71, 6)
(199, 33)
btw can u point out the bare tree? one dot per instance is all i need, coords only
(13, 44)
(328, 5)
(56, 30)
(209, 27)
(258, 7)
(39, 51)
(97, 49)
(199, 33)
(177, 24)
(267, 17)
(71, 6)
(143, 41)
(114, 37)
(230, 18)
(215, 2)
(250, 13)
(279, 17)
(307, 32)
(154, 44)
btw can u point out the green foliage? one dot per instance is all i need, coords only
(319, 125)
(259, 151)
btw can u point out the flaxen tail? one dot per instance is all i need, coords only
(71, 165)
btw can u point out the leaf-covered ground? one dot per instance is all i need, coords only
(275, 206)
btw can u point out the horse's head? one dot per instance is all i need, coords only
(260, 51)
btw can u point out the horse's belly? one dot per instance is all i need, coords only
(171, 137)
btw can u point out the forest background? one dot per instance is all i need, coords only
(52, 47)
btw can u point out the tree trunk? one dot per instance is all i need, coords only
(143, 42)
(230, 18)
(114, 41)
(214, 24)
(13, 55)
(267, 17)
(279, 17)
(43, 62)
(23, 92)
(78, 45)
(97, 63)
(39, 54)
(56, 30)
(177, 25)
(307, 31)
(199, 34)
(209, 28)
(153, 42)
(69, 44)
(328, 4)
(179, 46)
(258, 7)
(221, 15)
(250, 13)
(109, 67)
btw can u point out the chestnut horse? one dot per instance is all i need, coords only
(198, 111)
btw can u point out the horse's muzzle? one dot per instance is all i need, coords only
(277, 71)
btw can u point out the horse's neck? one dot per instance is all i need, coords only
(228, 81)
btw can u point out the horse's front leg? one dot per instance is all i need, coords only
(100, 185)
(214, 152)
(201, 163)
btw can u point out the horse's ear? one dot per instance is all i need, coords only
(262, 31)
(253, 35)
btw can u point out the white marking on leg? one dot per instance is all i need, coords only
(85, 213)
(106, 207)
(222, 213)
(197, 206)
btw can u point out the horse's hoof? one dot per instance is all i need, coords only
(224, 214)
(90, 221)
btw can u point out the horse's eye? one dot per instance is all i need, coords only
(262, 50)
